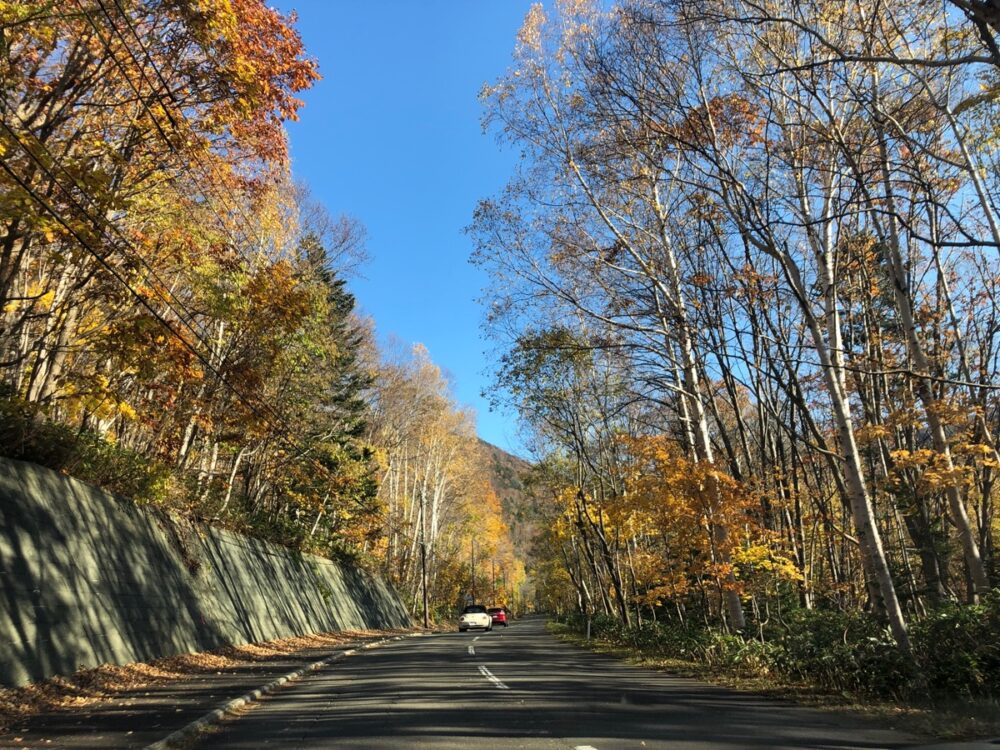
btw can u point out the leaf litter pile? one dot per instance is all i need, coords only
(88, 687)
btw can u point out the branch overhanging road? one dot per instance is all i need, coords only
(521, 688)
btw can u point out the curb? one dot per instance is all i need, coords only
(187, 733)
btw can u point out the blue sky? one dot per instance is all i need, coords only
(392, 136)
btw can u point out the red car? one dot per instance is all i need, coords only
(499, 615)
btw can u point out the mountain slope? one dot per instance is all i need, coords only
(517, 505)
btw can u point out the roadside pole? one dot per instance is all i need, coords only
(423, 581)
(423, 559)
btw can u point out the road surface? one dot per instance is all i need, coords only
(521, 688)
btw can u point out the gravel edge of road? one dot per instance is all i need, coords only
(181, 737)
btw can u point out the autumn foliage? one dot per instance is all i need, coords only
(745, 298)
(680, 504)
(437, 487)
(175, 323)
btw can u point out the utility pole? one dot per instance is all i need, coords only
(423, 560)
(493, 571)
(473, 571)
(423, 581)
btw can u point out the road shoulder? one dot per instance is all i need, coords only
(138, 704)
(931, 724)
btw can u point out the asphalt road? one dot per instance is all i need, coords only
(521, 688)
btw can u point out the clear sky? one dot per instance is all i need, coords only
(392, 136)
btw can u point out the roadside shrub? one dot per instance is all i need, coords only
(957, 649)
(26, 435)
(646, 636)
(722, 650)
(607, 627)
(846, 652)
(682, 641)
(732, 653)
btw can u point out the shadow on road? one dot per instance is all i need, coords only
(431, 693)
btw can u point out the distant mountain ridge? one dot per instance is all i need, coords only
(507, 478)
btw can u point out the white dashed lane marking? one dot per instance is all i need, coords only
(492, 678)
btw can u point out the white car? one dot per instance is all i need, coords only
(475, 616)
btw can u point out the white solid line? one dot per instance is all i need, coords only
(492, 678)
(472, 650)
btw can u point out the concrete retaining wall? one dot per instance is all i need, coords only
(87, 579)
